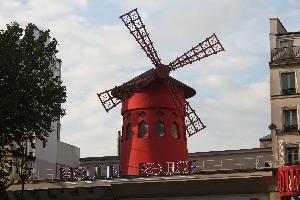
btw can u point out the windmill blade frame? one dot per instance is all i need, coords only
(193, 123)
(111, 98)
(209, 46)
(133, 22)
(107, 100)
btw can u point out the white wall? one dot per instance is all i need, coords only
(55, 153)
(68, 155)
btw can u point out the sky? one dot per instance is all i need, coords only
(98, 53)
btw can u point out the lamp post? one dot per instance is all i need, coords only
(24, 164)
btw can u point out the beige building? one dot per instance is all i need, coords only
(284, 93)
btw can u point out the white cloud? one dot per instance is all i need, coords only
(235, 120)
(232, 90)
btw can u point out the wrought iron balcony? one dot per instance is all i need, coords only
(285, 53)
(288, 91)
(290, 128)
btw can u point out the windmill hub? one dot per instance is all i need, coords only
(162, 71)
(156, 115)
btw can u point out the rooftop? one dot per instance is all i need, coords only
(266, 138)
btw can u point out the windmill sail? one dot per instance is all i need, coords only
(133, 22)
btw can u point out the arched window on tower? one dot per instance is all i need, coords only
(159, 128)
(143, 129)
(175, 130)
(128, 131)
(184, 132)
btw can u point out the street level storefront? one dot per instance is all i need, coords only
(213, 185)
(289, 182)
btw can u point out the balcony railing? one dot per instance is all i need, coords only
(290, 128)
(288, 91)
(285, 53)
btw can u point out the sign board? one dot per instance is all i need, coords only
(289, 181)
(145, 169)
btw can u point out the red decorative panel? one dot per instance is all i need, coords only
(289, 181)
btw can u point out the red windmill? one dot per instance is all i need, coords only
(156, 115)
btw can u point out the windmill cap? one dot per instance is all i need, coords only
(188, 91)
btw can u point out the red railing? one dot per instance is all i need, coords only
(285, 53)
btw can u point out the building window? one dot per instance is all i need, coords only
(128, 131)
(174, 114)
(184, 131)
(290, 120)
(129, 115)
(175, 130)
(286, 43)
(142, 114)
(288, 83)
(159, 128)
(143, 129)
(291, 154)
(159, 113)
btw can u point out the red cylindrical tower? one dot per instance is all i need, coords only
(153, 129)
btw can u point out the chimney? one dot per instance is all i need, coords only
(276, 26)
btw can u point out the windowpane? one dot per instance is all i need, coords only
(286, 117)
(291, 80)
(294, 117)
(143, 129)
(128, 131)
(288, 83)
(290, 117)
(175, 130)
(159, 128)
(284, 81)
(291, 155)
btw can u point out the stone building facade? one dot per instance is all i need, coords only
(284, 93)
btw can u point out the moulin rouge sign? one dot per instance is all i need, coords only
(289, 181)
(145, 169)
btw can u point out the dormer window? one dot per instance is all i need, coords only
(288, 83)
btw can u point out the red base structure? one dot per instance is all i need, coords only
(153, 130)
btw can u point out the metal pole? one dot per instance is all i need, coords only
(22, 191)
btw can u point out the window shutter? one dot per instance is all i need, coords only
(294, 117)
(284, 81)
(291, 80)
